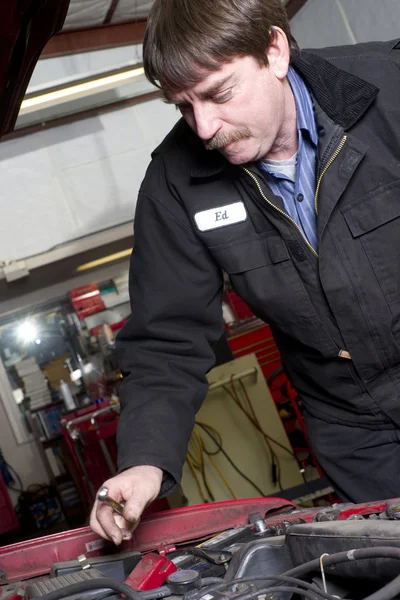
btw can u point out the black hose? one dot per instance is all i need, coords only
(284, 578)
(105, 583)
(156, 594)
(164, 591)
(389, 591)
(212, 580)
(282, 588)
(341, 557)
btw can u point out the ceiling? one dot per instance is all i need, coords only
(102, 24)
(83, 14)
(94, 13)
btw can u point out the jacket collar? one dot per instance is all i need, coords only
(345, 98)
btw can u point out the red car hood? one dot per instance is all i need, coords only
(25, 28)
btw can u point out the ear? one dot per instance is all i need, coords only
(279, 53)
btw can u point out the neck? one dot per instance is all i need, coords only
(286, 142)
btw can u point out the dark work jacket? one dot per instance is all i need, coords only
(345, 302)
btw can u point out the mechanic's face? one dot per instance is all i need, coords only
(244, 110)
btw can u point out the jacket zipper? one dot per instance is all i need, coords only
(282, 212)
(324, 170)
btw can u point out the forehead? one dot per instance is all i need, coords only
(209, 80)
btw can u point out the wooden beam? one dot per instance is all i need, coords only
(98, 38)
(293, 7)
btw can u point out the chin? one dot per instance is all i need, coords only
(239, 156)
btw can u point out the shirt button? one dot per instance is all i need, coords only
(300, 197)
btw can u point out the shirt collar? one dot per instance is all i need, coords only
(304, 106)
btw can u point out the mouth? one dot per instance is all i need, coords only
(222, 142)
(230, 144)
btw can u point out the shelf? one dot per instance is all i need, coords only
(50, 405)
(51, 442)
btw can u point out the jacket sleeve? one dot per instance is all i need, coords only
(165, 348)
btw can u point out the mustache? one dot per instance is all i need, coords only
(220, 140)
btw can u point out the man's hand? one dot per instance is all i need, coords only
(136, 487)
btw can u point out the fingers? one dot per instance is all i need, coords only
(137, 487)
(137, 497)
(103, 522)
(96, 527)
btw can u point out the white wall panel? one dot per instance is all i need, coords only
(335, 22)
(373, 20)
(70, 181)
(320, 24)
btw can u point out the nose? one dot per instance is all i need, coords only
(206, 121)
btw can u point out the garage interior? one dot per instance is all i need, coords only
(70, 171)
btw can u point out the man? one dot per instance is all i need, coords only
(285, 173)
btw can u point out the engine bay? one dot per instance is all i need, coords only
(341, 551)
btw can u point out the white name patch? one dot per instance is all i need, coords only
(221, 216)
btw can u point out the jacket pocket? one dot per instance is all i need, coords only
(374, 220)
(374, 210)
(263, 274)
(249, 254)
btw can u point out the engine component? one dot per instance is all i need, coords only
(151, 572)
(86, 584)
(43, 587)
(258, 522)
(214, 556)
(182, 582)
(263, 557)
(310, 541)
(119, 566)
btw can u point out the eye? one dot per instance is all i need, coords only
(222, 97)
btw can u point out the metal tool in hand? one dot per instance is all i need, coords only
(103, 496)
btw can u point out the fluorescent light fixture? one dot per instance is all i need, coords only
(78, 90)
(106, 259)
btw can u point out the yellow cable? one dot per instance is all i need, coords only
(201, 463)
(201, 446)
(193, 470)
(216, 467)
(197, 461)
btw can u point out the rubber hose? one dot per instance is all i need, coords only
(105, 583)
(341, 557)
(280, 578)
(156, 594)
(389, 591)
(211, 580)
(282, 588)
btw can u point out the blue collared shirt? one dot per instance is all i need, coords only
(298, 195)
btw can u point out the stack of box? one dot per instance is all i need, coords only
(34, 382)
(56, 370)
